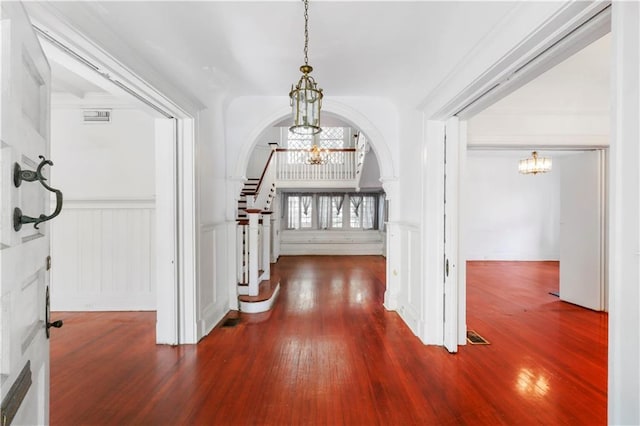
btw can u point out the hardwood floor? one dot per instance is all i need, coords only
(329, 354)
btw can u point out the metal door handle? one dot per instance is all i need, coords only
(55, 324)
(30, 176)
(47, 315)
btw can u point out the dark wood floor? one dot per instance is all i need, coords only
(329, 354)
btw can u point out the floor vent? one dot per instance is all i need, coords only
(231, 322)
(476, 339)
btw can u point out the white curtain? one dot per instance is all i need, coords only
(306, 203)
(338, 200)
(293, 212)
(356, 200)
(330, 211)
(368, 212)
(324, 211)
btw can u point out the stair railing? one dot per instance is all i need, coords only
(361, 152)
(266, 189)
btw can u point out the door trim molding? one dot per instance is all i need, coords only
(462, 88)
(91, 61)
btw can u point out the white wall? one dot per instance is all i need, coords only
(113, 160)
(216, 236)
(405, 255)
(103, 241)
(624, 292)
(509, 216)
(526, 129)
(370, 172)
(261, 152)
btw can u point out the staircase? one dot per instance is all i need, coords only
(257, 292)
(249, 189)
(287, 168)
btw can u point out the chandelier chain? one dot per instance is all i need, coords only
(306, 32)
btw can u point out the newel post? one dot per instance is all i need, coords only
(266, 244)
(254, 217)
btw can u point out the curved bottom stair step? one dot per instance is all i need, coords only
(263, 302)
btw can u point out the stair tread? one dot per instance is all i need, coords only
(266, 290)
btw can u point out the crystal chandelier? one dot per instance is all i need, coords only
(306, 97)
(534, 165)
(317, 155)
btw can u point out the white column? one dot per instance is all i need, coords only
(624, 266)
(266, 245)
(234, 258)
(240, 252)
(394, 270)
(394, 255)
(254, 216)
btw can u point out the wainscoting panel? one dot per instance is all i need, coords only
(409, 298)
(215, 269)
(331, 242)
(103, 256)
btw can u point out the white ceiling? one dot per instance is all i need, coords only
(65, 81)
(393, 49)
(578, 85)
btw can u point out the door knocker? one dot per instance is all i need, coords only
(20, 175)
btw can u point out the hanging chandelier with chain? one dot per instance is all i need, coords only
(306, 97)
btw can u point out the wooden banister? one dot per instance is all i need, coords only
(266, 166)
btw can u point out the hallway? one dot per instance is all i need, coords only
(329, 354)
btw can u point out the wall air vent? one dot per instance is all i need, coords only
(96, 116)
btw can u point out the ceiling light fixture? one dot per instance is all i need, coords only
(534, 165)
(317, 156)
(306, 97)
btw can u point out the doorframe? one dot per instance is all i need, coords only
(176, 290)
(452, 97)
(462, 91)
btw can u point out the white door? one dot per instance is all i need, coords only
(24, 134)
(581, 229)
(451, 189)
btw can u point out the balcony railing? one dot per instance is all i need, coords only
(337, 164)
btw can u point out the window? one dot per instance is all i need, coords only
(330, 137)
(333, 211)
(330, 211)
(299, 211)
(363, 211)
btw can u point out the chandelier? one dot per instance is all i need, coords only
(317, 155)
(306, 97)
(534, 165)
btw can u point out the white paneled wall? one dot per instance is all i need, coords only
(333, 242)
(103, 256)
(409, 297)
(103, 242)
(217, 267)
